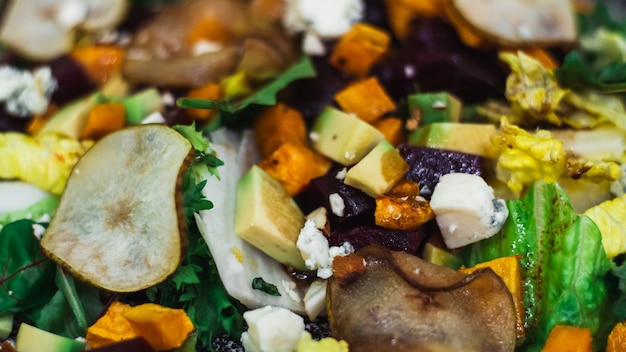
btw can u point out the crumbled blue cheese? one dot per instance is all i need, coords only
(321, 20)
(466, 210)
(317, 252)
(26, 93)
(272, 329)
(337, 205)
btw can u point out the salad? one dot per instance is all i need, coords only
(312, 175)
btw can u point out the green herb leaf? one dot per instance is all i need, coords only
(194, 136)
(619, 305)
(26, 274)
(576, 74)
(259, 284)
(193, 199)
(563, 264)
(56, 315)
(205, 300)
(65, 283)
(264, 96)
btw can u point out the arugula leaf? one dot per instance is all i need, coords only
(26, 274)
(259, 284)
(563, 264)
(264, 96)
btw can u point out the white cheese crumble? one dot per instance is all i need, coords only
(272, 329)
(24, 92)
(337, 205)
(321, 20)
(155, 117)
(38, 231)
(466, 210)
(341, 175)
(317, 252)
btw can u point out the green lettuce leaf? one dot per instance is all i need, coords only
(266, 95)
(26, 274)
(563, 264)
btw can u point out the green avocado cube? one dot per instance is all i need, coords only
(378, 171)
(435, 107)
(343, 137)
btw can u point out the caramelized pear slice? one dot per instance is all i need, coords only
(120, 225)
(403, 303)
(518, 23)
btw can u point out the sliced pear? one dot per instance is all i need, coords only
(518, 23)
(104, 14)
(41, 30)
(120, 224)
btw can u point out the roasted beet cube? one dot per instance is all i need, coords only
(358, 206)
(362, 236)
(426, 165)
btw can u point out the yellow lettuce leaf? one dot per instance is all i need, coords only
(44, 161)
(610, 217)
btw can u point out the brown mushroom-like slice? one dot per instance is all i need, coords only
(120, 224)
(201, 41)
(518, 23)
(403, 303)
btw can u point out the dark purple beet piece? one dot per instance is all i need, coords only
(433, 58)
(426, 165)
(359, 207)
(397, 240)
(72, 80)
(311, 95)
(137, 344)
(12, 123)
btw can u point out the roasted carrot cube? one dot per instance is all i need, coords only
(392, 128)
(104, 119)
(111, 327)
(101, 62)
(359, 49)
(276, 125)
(617, 338)
(509, 270)
(565, 338)
(366, 99)
(294, 165)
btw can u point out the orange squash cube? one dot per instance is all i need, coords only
(294, 165)
(565, 338)
(359, 49)
(276, 125)
(366, 99)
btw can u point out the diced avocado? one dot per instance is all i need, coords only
(435, 107)
(440, 256)
(32, 339)
(378, 171)
(6, 325)
(267, 217)
(343, 137)
(470, 138)
(141, 104)
(71, 119)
